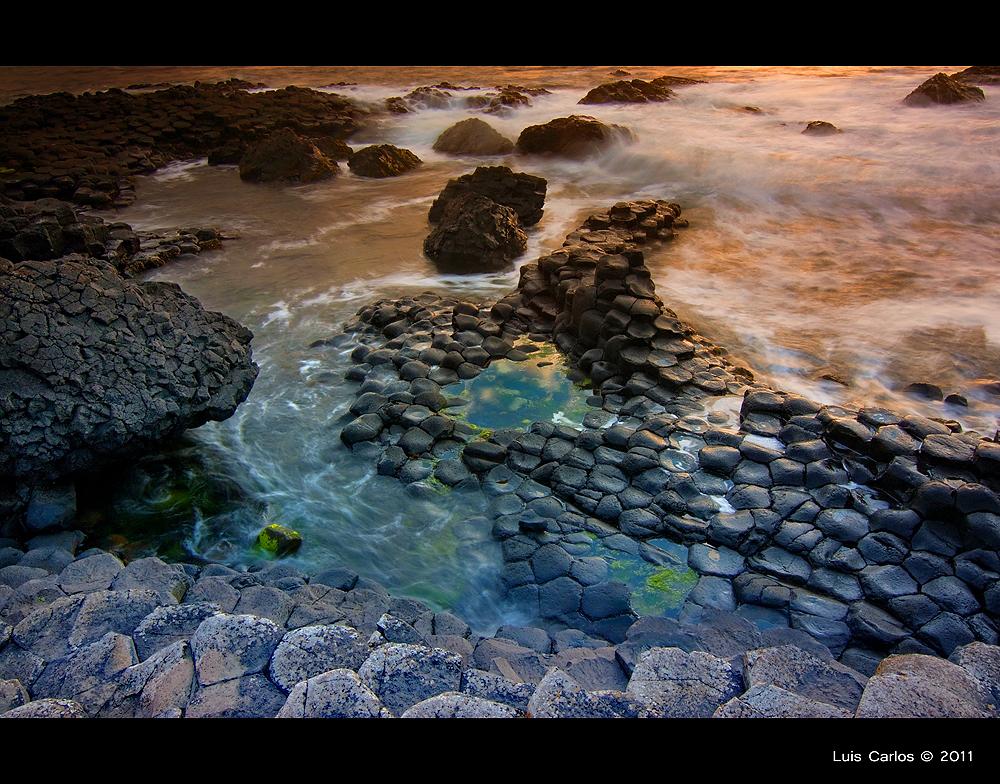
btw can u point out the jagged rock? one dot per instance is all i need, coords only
(284, 156)
(475, 235)
(88, 674)
(337, 694)
(576, 136)
(227, 647)
(76, 343)
(804, 674)
(169, 581)
(473, 137)
(12, 695)
(942, 88)
(772, 702)
(403, 675)
(47, 709)
(312, 650)
(919, 686)
(382, 160)
(250, 696)
(523, 193)
(169, 624)
(161, 683)
(669, 683)
(558, 696)
(459, 706)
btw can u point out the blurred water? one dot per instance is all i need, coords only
(868, 258)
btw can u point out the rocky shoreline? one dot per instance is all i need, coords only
(847, 561)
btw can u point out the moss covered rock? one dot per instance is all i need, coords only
(278, 540)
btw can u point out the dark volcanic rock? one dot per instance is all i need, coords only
(382, 160)
(475, 235)
(942, 88)
(88, 148)
(93, 365)
(821, 128)
(284, 156)
(523, 193)
(979, 74)
(473, 137)
(628, 91)
(576, 136)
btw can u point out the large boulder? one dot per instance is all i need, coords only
(473, 137)
(382, 160)
(284, 156)
(523, 193)
(475, 235)
(576, 136)
(94, 366)
(942, 88)
(628, 91)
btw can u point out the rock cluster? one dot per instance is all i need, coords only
(87, 148)
(497, 100)
(944, 89)
(284, 156)
(94, 366)
(870, 532)
(382, 160)
(49, 228)
(479, 218)
(83, 634)
(628, 91)
(473, 137)
(576, 136)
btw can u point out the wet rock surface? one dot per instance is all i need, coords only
(628, 91)
(284, 156)
(88, 148)
(523, 193)
(863, 532)
(94, 366)
(473, 137)
(48, 229)
(475, 234)
(382, 160)
(576, 136)
(944, 89)
(130, 652)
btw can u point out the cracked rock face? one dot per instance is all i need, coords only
(94, 366)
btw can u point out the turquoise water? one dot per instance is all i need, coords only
(512, 394)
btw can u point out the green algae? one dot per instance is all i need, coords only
(277, 540)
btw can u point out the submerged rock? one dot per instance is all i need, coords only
(576, 136)
(942, 88)
(821, 128)
(523, 193)
(382, 160)
(94, 366)
(284, 156)
(475, 235)
(473, 137)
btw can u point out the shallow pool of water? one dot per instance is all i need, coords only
(543, 388)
